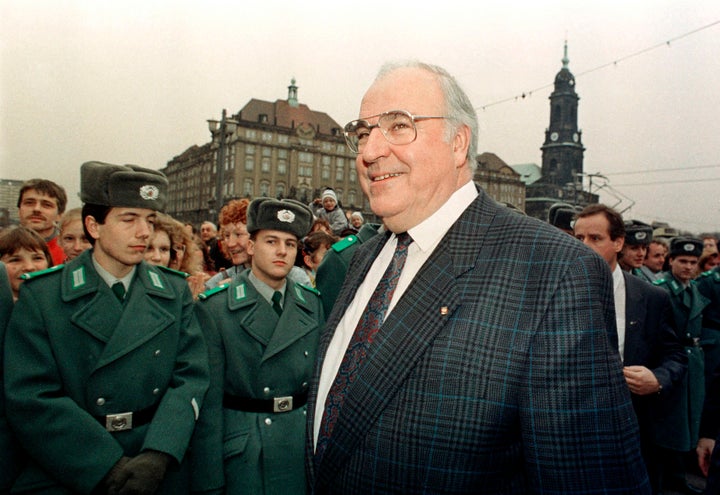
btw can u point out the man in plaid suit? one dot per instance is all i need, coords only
(496, 367)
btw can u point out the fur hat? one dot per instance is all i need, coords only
(122, 185)
(638, 233)
(286, 215)
(685, 246)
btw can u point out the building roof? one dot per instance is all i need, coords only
(492, 162)
(529, 172)
(282, 114)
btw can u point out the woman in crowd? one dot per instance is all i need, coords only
(171, 246)
(22, 251)
(314, 247)
(72, 235)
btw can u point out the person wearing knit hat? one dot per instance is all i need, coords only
(357, 220)
(262, 331)
(332, 212)
(108, 354)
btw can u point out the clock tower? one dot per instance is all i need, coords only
(562, 151)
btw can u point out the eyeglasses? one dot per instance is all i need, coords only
(398, 127)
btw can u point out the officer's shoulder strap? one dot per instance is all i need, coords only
(344, 243)
(211, 292)
(173, 271)
(41, 273)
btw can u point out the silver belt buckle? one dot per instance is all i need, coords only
(118, 422)
(282, 404)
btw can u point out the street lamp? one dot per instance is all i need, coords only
(223, 129)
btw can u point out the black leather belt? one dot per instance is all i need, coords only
(127, 420)
(274, 405)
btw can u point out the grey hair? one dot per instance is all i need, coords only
(459, 111)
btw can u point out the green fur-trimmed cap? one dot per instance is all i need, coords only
(123, 185)
(286, 215)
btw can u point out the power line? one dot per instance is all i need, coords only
(649, 171)
(658, 183)
(525, 94)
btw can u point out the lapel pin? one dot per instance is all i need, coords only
(444, 311)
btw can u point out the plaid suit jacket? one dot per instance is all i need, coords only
(493, 374)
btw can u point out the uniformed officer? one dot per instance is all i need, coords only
(262, 331)
(9, 452)
(638, 236)
(680, 421)
(104, 385)
(561, 215)
(331, 272)
(708, 285)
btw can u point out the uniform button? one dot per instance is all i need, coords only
(689, 351)
(266, 390)
(687, 335)
(306, 353)
(157, 353)
(156, 391)
(268, 421)
(100, 402)
(304, 385)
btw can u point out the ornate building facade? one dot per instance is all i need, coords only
(278, 149)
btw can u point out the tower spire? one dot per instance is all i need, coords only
(292, 94)
(565, 60)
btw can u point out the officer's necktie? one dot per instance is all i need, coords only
(367, 327)
(119, 289)
(276, 297)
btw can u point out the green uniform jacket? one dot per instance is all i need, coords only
(331, 272)
(709, 286)
(9, 459)
(257, 355)
(678, 420)
(74, 352)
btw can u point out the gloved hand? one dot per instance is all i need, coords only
(111, 481)
(142, 474)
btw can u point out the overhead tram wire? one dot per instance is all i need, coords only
(526, 94)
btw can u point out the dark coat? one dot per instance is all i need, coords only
(708, 285)
(255, 354)
(682, 419)
(9, 451)
(494, 373)
(74, 352)
(651, 340)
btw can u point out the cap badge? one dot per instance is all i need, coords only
(149, 192)
(688, 247)
(286, 216)
(641, 236)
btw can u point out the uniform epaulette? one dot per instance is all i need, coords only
(711, 273)
(309, 289)
(344, 243)
(40, 273)
(213, 291)
(173, 271)
(659, 281)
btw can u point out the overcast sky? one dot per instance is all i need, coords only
(135, 81)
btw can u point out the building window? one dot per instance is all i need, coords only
(251, 134)
(352, 175)
(283, 139)
(326, 160)
(250, 149)
(279, 190)
(265, 165)
(266, 151)
(283, 153)
(248, 187)
(339, 194)
(264, 188)
(282, 167)
(305, 157)
(339, 174)
(326, 172)
(351, 196)
(267, 136)
(249, 163)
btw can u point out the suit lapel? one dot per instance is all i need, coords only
(423, 311)
(634, 318)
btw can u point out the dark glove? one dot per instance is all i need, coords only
(111, 481)
(142, 474)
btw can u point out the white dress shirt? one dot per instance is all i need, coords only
(426, 236)
(619, 291)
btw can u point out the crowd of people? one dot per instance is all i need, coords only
(458, 347)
